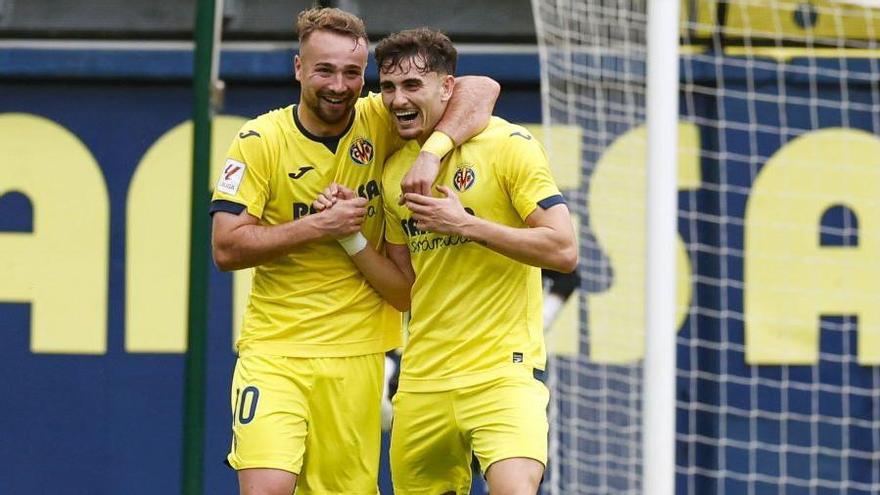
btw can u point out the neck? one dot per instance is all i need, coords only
(425, 135)
(318, 127)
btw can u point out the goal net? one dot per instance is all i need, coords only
(778, 330)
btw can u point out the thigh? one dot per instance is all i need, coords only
(515, 475)
(269, 413)
(507, 418)
(258, 481)
(342, 449)
(429, 453)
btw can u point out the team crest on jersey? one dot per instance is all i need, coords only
(361, 151)
(464, 178)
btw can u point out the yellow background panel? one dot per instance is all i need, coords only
(617, 214)
(61, 268)
(775, 19)
(157, 237)
(563, 146)
(790, 279)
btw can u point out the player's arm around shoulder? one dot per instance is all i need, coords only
(468, 113)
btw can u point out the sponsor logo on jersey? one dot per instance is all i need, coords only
(464, 178)
(361, 151)
(522, 135)
(517, 357)
(299, 173)
(243, 135)
(369, 190)
(231, 176)
(302, 209)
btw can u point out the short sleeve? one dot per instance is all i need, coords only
(244, 178)
(526, 173)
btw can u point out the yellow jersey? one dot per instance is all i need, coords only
(313, 302)
(476, 314)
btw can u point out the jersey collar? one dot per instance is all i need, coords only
(331, 142)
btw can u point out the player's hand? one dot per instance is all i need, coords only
(421, 175)
(331, 195)
(344, 218)
(327, 198)
(444, 215)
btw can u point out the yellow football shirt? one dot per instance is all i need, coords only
(313, 302)
(476, 314)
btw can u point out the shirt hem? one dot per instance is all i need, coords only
(296, 349)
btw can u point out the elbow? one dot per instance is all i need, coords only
(402, 306)
(490, 90)
(489, 87)
(223, 260)
(566, 260)
(402, 303)
(494, 88)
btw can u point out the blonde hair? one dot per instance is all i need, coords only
(330, 19)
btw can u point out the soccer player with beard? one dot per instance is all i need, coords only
(473, 256)
(307, 384)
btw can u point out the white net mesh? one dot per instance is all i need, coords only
(778, 385)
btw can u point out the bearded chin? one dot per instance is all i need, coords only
(331, 117)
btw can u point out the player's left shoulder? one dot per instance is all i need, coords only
(518, 134)
(370, 105)
(500, 132)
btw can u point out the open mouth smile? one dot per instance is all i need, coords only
(406, 115)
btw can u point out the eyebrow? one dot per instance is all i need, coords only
(333, 66)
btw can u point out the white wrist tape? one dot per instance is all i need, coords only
(354, 243)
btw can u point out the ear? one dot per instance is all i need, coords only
(447, 87)
(297, 67)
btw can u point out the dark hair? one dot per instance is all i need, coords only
(330, 19)
(431, 49)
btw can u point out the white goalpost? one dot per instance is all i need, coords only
(729, 306)
(658, 428)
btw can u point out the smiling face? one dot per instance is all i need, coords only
(416, 98)
(330, 68)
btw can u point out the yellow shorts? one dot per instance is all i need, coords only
(434, 433)
(315, 417)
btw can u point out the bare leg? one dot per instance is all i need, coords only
(515, 476)
(266, 482)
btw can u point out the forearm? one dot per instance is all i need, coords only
(385, 277)
(250, 245)
(470, 107)
(537, 246)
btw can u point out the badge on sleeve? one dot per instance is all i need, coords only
(231, 176)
